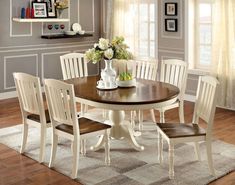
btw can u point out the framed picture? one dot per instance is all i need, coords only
(171, 25)
(51, 8)
(40, 9)
(170, 8)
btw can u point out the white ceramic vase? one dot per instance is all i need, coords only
(108, 74)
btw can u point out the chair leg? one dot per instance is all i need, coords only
(181, 112)
(83, 147)
(171, 161)
(160, 148)
(209, 157)
(153, 115)
(197, 151)
(140, 117)
(53, 149)
(76, 147)
(24, 138)
(162, 116)
(42, 144)
(107, 147)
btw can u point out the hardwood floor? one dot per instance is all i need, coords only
(16, 169)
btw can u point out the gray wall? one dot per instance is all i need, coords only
(172, 44)
(23, 50)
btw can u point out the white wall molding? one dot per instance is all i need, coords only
(17, 56)
(165, 57)
(93, 18)
(47, 45)
(11, 27)
(170, 51)
(7, 95)
(49, 48)
(51, 53)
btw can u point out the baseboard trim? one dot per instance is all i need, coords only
(8, 95)
(188, 97)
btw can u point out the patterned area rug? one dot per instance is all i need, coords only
(130, 167)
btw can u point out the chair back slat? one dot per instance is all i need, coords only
(61, 102)
(145, 69)
(206, 99)
(73, 65)
(29, 92)
(175, 71)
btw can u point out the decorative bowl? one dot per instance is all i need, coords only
(126, 83)
(70, 33)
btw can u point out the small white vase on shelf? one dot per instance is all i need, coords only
(59, 13)
(108, 74)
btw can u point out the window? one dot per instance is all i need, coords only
(200, 33)
(136, 21)
(147, 30)
(203, 34)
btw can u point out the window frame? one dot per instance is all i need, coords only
(197, 63)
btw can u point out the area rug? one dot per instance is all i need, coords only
(129, 167)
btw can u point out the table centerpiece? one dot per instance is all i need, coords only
(107, 51)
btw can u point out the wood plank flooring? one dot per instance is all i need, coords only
(16, 169)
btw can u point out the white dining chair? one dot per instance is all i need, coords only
(175, 72)
(74, 65)
(65, 123)
(204, 109)
(32, 109)
(147, 70)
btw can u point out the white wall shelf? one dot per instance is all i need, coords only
(40, 20)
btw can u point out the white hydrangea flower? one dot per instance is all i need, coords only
(103, 43)
(109, 53)
(95, 45)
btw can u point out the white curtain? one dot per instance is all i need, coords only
(124, 22)
(223, 50)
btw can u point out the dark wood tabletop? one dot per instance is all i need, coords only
(146, 91)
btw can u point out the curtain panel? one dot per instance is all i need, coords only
(223, 50)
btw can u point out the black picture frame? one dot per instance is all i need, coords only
(40, 9)
(171, 25)
(171, 9)
(51, 10)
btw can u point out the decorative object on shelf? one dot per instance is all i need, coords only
(32, 13)
(51, 9)
(56, 26)
(28, 13)
(62, 26)
(170, 9)
(60, 6)
(50, 26)
(70, 33)
(40, 9)
(78, 29)
(171, 25)
(22, 15)
(105, 50)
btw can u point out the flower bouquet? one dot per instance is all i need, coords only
(60, 6)
(116, 49)
(105, 50)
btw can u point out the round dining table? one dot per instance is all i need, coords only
(146, 94)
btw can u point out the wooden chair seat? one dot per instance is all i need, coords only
(36, 117)
(86, 126)
(176, 130)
